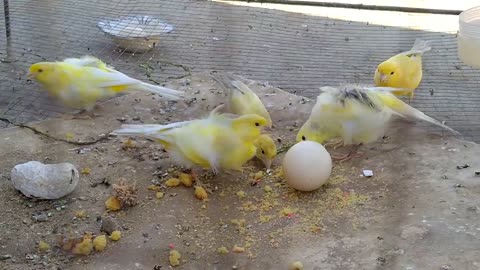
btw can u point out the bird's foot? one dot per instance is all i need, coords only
(199, 182)
(335, 144)
(84, 115)
(353, 153)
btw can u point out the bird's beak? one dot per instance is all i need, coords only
(383, 78)
(267, 162)
(30, 76)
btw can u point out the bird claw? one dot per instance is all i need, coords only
(199, 183)
(335, 144)
(84, 115)
(352, 154)
(207, 187)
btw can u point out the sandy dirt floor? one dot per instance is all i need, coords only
(418, 211)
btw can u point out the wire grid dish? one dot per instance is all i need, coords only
(135, 33)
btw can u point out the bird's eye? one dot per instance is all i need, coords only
(257, 124)
(303, 138)
(391, 73)
(40, 70)
(263, 152)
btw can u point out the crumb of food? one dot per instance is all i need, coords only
(81, 214)
(85, 247)
(278, 173)
(174, 257)
(43, 246)
(100, 243)
(266, 218)
(258, 175)
(296, 266)
(287, 211)
(204, 206)
(159, 195)
(241, 194)
(238, 249)
(172, 182)
(186, 179)
(201, 193)
(222, 250)
(267, 188)
(249, 206)
(128, 144)
(69, 135)
(125, 193)
(116, 235)
(154, 188)
(86, 171)
(113, 204)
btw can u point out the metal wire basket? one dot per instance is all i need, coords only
(135, 33)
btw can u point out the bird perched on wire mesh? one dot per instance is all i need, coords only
(218, 142)
(403, 70)
(356, 115)
(80, 82)
(241, 100)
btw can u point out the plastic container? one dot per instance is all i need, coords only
(135, 33)
(468, 37)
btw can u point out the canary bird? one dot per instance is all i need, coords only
(80, 82)
(241, 99)
(266, 150)
(356, 114)
(217, 142)
(403, 70)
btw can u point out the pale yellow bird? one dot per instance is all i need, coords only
(266, 150)
(217, 142)
(241, 99)
(403, 70)
(80, 82)
(356, 114)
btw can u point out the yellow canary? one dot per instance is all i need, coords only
(80, 82)
(403, 70)
(266, 149)
(356, 114)
(241, 99)
(216, 142)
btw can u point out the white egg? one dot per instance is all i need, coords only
(307, 166)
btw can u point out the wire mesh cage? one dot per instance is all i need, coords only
(296, 51)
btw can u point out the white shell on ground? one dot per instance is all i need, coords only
(45, 181)
(307, 166)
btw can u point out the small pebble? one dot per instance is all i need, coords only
(459, 167)
(367, 173)
(5, 257)
(109, 225)
(40, 217)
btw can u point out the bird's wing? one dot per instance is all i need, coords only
(402, 108)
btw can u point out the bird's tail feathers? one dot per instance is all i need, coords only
(168, 93)
(231, 83)
(148, 130)
(420, 46)
(403, 109)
